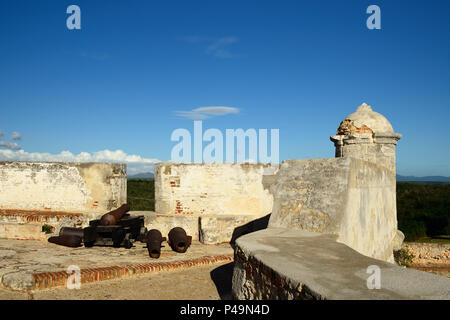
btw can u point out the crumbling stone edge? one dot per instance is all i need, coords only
(47, 280)
(254, 280)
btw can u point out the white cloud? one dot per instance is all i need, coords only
(206, 112)
(192, 115)
(135, 163)
(9, 145)
(16, 136)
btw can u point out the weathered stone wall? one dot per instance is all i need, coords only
(62, 186)
(292, 264)
(212, 189)
(375, 148)
(367, 135)
(348, 197)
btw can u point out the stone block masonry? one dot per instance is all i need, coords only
(213, 189)
(348, 197)
(62, 186)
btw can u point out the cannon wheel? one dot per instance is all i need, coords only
(127, 242)
(89, 244)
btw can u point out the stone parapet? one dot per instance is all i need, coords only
(86, 187)
(200, 189)
(348, 197)
(289, 264)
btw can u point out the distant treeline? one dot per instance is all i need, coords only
(141, 194)
(423, 210)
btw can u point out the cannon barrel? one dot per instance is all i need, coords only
(72, 241)
(111, 218)
(178, 240)
(154, 238)
(69, 231)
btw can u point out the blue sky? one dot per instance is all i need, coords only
(297, 66)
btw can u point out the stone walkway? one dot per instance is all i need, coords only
(203, 283)
(32, 264)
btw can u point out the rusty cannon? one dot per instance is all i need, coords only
(112, 217)
(154, 239)
(179, 241)
(68, 231)
(68, 237)
(124, 233)
(115, 228)
(72, 241)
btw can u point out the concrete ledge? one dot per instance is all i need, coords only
(290, 264)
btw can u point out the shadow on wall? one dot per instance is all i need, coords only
(252, 226)
(222, 276)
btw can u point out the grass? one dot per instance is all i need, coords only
(423, 211)
(47, 229)
(141, 194)
(404, 257)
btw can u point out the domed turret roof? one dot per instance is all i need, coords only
(365, 120)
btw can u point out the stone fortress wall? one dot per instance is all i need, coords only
(351, 196)
(213, 189)
(210, 200)
(347, 197)
(82, 187)
(321, 222)
(332, 222)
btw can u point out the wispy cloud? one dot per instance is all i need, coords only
(220, 48)
(10, 145)
(206, 112)
(217, 47)
(135, 163)
(16, 136)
